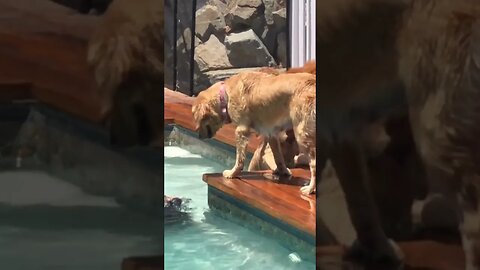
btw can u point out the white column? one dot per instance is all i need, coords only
(312, 27)
(302, 31)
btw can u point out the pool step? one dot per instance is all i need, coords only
(274, 207)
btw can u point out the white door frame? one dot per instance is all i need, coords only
(302, 31)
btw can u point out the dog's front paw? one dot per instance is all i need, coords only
(307, 190)
(280, 172)
(230, 173)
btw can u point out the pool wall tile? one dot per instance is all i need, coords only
(239, 212)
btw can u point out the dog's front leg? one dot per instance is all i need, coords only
(241, 136)
(278, 156)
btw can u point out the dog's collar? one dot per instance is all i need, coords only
(224, 103)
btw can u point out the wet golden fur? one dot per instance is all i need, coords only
(126, 55)
(267, 104)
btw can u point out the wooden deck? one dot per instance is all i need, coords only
(280, 200)
(43, 57)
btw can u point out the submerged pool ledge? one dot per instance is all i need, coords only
(276, 208)
(80, 153)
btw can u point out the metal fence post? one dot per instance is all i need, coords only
(175, 20)
(288, 15)
(192, 48)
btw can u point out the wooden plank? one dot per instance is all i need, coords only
(44, 45)
(59, 79)
(260, 193)
(179, 107)
(287, 189)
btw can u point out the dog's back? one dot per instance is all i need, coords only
(309, 67)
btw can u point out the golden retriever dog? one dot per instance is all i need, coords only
(431, 49)
(126, 55)
(262, 158)
(267, 104)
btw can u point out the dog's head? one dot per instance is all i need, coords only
(206, 114)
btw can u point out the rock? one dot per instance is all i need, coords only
(220, 75)
(268, 11)
(280, 18)
(281, 52)
(267, 34)
(279, 4)
(272, 6)
(249, 3)
(242, 14)
(209, 21)
(184, 42)
(220, 4)
(245, 49)
(240, 18)
(183, 60)
(201, 80)
(212, 55)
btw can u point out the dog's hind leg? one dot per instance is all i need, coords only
(372, 246)
(241, 136)
(278, 156)
(312, 186)
(255, 163)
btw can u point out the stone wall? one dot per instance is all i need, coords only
(230, 36)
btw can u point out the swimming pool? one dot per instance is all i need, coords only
(73, 202)
(48, 223)
(209, 241)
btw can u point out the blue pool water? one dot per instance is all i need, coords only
(208, 241)
(48, 223)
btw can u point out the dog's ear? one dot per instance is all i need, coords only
(199, 112)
